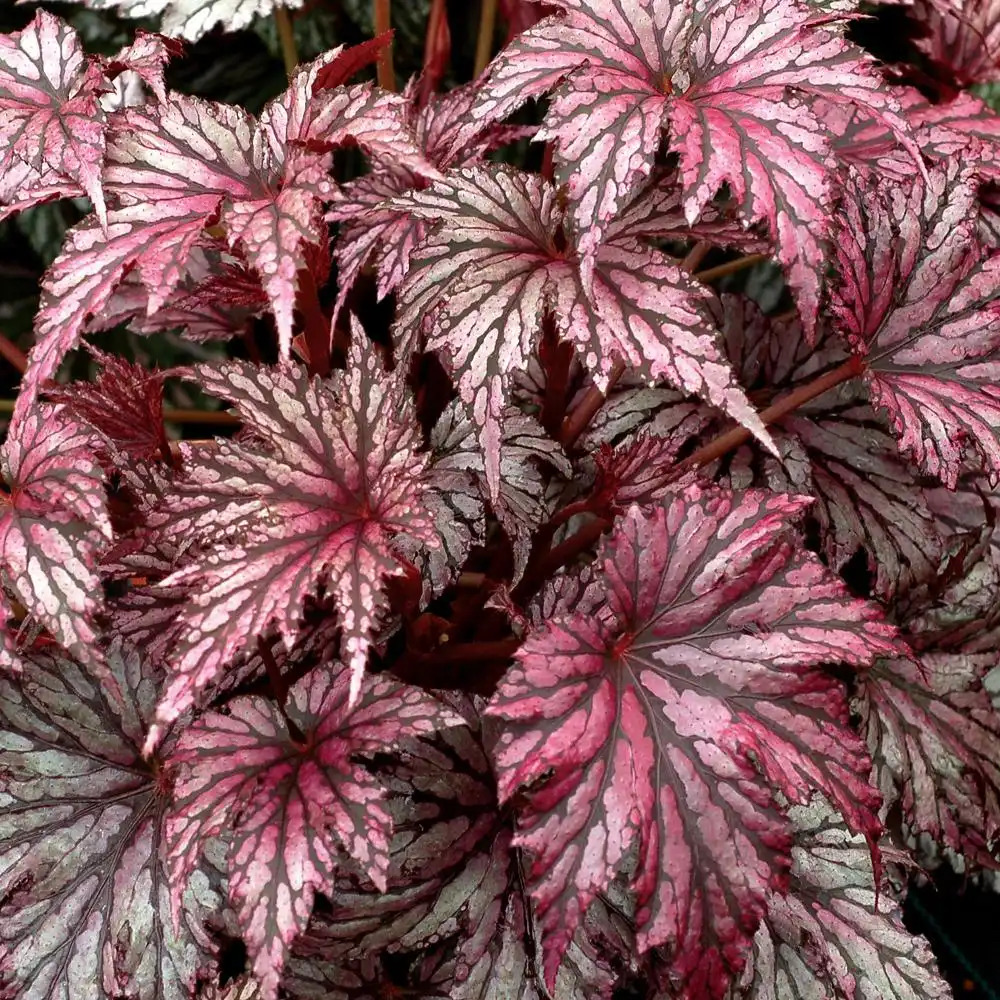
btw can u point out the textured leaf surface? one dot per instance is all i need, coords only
(52, 127)
(832, 935)
(493, 270)
(191, 19)
(84, 907)
(455, 903)
(124, 405)
(293, 808)
(962, 37)
(53, 525)
(336, 478)
(174, 168)
(718, 77)
(918, 299)
(640, 716)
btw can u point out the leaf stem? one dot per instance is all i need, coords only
(13, 354)
(548, 563)
(733, 438)
(383, 23)
(578, 421)
(696, 255)
(316, 323)
(484, 43)
(286, 36)
(731, 267)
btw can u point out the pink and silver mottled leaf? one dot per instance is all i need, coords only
(336, 477)
(147, 57)
(84, 899)
(54, 524)
(291, 809)
(654, 728)
(173, 168)
(934, 735)
(526, 450)
(124, 406)
(920, 302)
(51, 119)
(833, 934)
(720, 77)
(961, 38)
(190, 19)
(493, 270)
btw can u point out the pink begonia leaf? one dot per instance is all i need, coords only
(174, 168)
(190, 19)
(496, 266)
(664, 719)
(84, 909)
(919, 301)
(291, 808)
(730, 84)
(52, 127)
(448, 137)
(455, 897)
(833, 935)
(147, 56)
(961, 38)
(320, 505)
(124, 406)
(53, 525)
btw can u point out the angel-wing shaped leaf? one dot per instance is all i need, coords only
(332, 478)
(717, 78)
(54, 524)
(294, 802)
(84, 904)
(497, 266)
(630, 725)
(919, 300)
(52, 126)
(833, 934)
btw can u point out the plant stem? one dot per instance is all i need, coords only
(578, 421)
(383, 23)
(731, 439)
(731, 267)
(542, 567)
(696, 255)
(286, 36)
(317, 325)
(484, 43)
(13, 354)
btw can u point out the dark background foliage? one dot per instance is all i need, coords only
(245, 67)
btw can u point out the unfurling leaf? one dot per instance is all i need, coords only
(651, 731)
